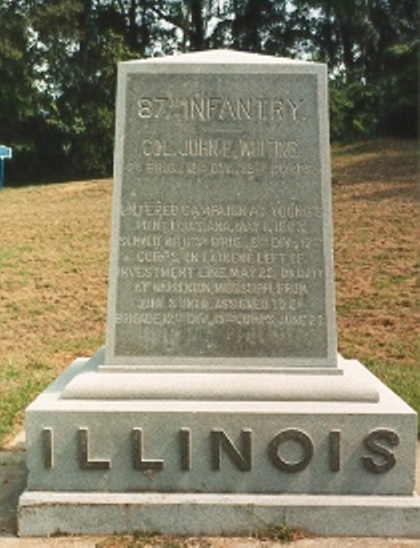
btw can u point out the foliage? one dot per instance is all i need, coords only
(58, 66)
(370, 47)
(279, 533)
(18, 93)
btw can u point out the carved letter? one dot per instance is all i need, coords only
(373, 443)
(296, 435)
(294, 107)
(84, 462)
(241, 459)
(47, 447)
(185, 448)
(139, 462)
(335, 436)
(144, 106)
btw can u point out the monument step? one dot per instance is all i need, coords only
(216, 515)
(157, 445)
(349, 382)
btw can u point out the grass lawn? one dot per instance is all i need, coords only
(375, 246)
(54, 243)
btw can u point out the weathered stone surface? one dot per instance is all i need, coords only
(198, 514)
(330, 468)
(214, 447)
(221, 252)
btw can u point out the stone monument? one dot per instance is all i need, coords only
(219, 404)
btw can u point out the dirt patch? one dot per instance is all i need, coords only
(375, 226)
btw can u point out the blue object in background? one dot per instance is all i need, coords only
(5, 153)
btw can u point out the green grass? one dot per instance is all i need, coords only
(402, 380)
(279, 533)
(19, 390)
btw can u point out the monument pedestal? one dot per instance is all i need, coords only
(344, 383)
(219, 467)
(217, 515)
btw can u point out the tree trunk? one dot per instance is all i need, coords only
(197, 42)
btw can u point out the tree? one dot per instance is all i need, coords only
(76, 60)
(58, 65)
(19, 115)
(370, 47)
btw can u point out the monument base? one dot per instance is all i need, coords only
(219, 467)
(347, 382)
(43, 514)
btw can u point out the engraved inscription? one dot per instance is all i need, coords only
(289, 451)
(241, 458)
(139, 462)
(185, 448)
(220, 108)
(379, 442)
(228, 157)
(48, 447)
(221, 148)
(298, 437)
(85, 462)
(334, 446)
(221, 244)
(221, 265)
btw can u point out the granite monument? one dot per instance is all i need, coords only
(219, 403)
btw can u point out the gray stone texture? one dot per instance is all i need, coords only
(221, 222)
(191, 514)
(324, 451)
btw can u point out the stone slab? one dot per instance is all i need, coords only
(220, 446)
(13, 453)
(210, 514)
(346, 383)
(221, 233)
